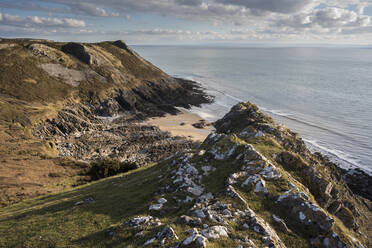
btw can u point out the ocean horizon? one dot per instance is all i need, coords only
(324, 94)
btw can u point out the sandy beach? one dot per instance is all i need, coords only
(181, 125)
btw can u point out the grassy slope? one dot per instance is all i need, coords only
(54, 221)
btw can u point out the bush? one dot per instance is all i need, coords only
(109, 167)
(55, 174)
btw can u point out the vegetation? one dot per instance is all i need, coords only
(55, 221)
(109, 167)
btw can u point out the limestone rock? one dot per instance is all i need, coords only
(260, 187)
(155, 207)
(307, 213)
(162, 200)
(167, 233)
(142, 221)
(187, 220)
(215, 232)
(150, 241)
(281, 224)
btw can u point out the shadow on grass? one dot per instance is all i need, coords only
(116, 199)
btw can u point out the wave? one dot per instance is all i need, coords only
(222, 104)
(189, 76)
(232, 97)
(345, 160)
(203, 114)
(276, 112)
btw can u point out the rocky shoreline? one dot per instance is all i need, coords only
(115, 130)
(359, 182)
(81, 102)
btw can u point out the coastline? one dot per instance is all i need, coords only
(357, 179)
(181, 124)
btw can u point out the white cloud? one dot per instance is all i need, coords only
(280, 6)
(253, 19)
(35, 21)
(327, 18)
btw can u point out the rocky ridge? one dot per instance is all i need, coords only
(240, 189)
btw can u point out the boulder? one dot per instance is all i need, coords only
(155, 207)
(190, 221)
(306, 212)
(260, 187)
(167, 233)
(215, 232)
(142, 221)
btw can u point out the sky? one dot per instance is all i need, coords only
(191, 21)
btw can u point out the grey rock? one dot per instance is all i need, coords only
(155, 207)
(190, 221)
(215, 232)
(150, 241)
(281, 224)
(167, 233)
(162, 200)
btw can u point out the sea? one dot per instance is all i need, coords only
(324, 94)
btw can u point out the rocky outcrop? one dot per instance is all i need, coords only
(44, 50)
(258, 193)
(121, 44)
(7, 45)
(81, 52)
(77, 132)
(359, 182)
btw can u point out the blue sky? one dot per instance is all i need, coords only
(191, 21)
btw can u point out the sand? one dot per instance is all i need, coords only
(181, 125)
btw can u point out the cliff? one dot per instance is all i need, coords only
(64, 105)
(252, 183)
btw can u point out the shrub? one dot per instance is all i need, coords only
(109, 167)
(55, 174)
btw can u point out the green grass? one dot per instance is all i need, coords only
(54, 220)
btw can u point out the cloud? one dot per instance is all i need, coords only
(189, 2)
(327, 18)
(89, 9)
(280, 6)
(247, 19)
(35, 21)
(70, 7)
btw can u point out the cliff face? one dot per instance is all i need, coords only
(109, 76)
(253, 183)
(81, 102)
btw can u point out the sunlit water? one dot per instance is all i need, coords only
(324, 94)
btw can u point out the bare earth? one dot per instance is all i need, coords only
(181, 125)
